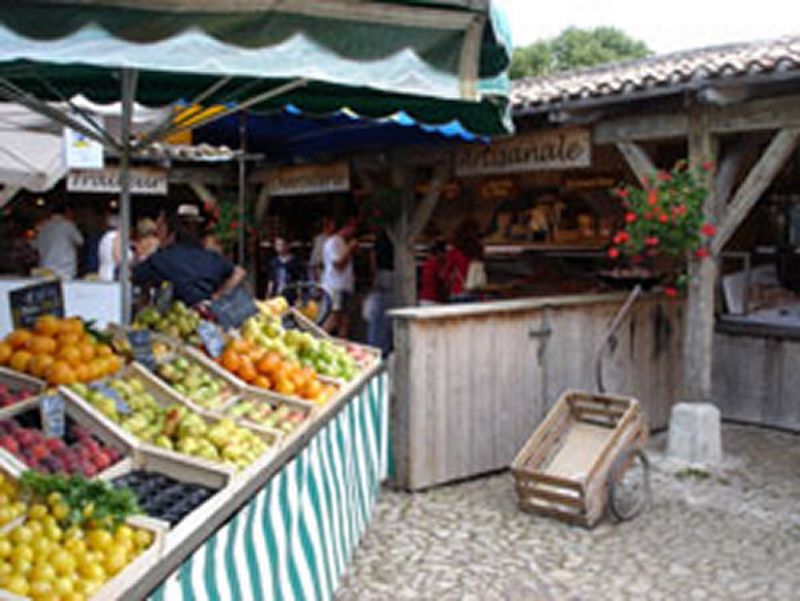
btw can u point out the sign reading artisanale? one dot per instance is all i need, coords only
(145, 181)
(539, 151)
(309, 179)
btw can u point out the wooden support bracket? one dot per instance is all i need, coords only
(637, 160)
(755, 184)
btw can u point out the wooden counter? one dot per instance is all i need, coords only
(472, 381)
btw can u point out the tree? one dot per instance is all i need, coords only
(574, 49)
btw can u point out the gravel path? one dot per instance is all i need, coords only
(732, 535)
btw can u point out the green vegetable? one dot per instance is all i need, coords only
(87, 499)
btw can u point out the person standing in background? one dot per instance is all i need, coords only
(315, 261)
(379, 326)
(110, 252)
(284, 268)
(338, 277)
(58, 242)
(433, 289)
(147, 239)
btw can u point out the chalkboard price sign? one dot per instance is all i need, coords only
(142, 345)
(233, 308)
(52, 411)
(31, 302)
(213, 340)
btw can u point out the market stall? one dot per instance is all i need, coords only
(438, 63)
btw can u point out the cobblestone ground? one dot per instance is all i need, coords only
(733, 535)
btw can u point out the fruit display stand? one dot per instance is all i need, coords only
(287, 523)
(288, 531)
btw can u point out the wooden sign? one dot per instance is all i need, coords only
(146, 181)
(213, 340)
(31, 302)
(498, 189)
(52, 413)
(539, 151)
(308, 179)
(600, 182)
(142, 346)
(233, 308)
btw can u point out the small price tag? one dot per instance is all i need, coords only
(212, 338)
(53, 421)
(122, 406)
(164, 296)
(142, 344)
(233, 308)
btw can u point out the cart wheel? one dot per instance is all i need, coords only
(629, 484)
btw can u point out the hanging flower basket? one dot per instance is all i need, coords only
(664, 227)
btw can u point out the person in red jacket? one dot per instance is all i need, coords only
(433, 289)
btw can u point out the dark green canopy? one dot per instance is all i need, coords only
(438, 61)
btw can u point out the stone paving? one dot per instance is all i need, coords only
(730, 535)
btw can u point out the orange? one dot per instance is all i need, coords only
(5, 352)
(20, 360)
(240, 346)
(40, 364)
(41, 344)
(285, 386)
(70, 354)
(247, 370)
(60, 373)
(262, 382)
(87, 351)
(71, 325)
(82, 372)
(47, 325)
(103, 350)
(269, 363)
(230, 360)
(19, 338)
(114, 364)
(256, 354)
(95, 369)
(67, 339)
(312, 389)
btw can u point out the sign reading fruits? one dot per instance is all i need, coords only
(31, 302)
(52, 409)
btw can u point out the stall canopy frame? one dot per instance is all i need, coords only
(221, 52)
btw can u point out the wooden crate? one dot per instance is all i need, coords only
(117, 587)
(274, 400)
(166, 396)
(562, 471)
(89, 419)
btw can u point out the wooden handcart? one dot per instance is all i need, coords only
(586, 456)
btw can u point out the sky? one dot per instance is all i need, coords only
(664, 26)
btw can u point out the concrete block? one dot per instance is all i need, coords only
(694, 434)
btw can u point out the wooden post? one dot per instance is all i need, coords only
(405, 274)
(637, 160)
(699, 322)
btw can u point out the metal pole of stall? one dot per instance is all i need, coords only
(128, 92)
(242, 158)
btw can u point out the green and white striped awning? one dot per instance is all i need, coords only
(438, 61)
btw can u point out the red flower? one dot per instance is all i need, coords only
(708, 229)
(613, 252)
(701, 253)
(630, 217)
(670, 291)
(663, 218)
(652, 197)
(663, 176)
(652, 241)
(622, 192)
(708, 165)
(621, 237)
(649, 215)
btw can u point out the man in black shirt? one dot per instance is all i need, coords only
(196, 274)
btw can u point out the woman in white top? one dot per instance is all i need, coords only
(109, 251)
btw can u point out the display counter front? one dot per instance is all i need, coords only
(97, 301)
(472, 381)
